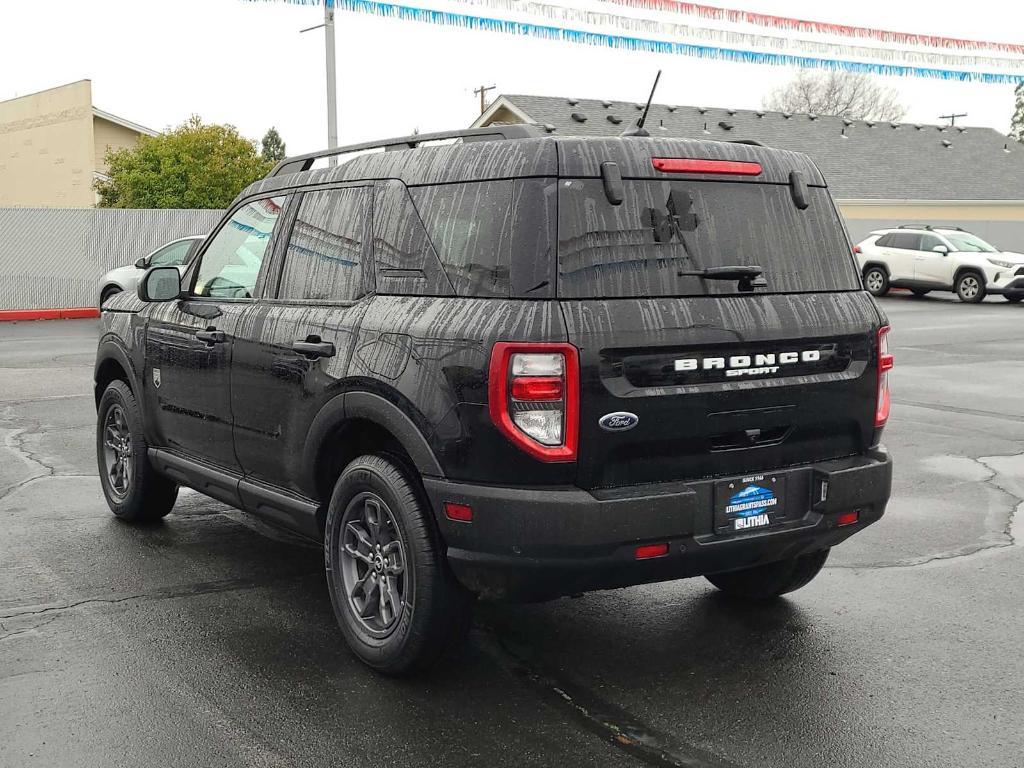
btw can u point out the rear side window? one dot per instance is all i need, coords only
(324, 257)
(663, 231)
(477, 228)
(405, 260)
(908, 241)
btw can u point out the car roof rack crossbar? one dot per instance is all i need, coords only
(300, 163)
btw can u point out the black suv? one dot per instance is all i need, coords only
(513, 366)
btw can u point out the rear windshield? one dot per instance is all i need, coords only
(663, 230)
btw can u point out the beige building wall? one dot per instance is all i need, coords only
(110, 135)
(47, 150)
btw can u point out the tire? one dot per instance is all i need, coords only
(112, 290)
(876, 281)
(378, 511)
(919, 292)
(970, 287)
(1014, 299)
(767, 582)
(135, 492)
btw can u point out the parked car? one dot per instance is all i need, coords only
(515, 366)
(177, 253)
(927, 258)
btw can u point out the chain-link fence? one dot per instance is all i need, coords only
(55, 257)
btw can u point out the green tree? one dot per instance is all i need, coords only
(193, 166)
(273, 146)
(1017, 122)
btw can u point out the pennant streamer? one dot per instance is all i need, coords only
(649, 26)
(818, 27)
(583, 26)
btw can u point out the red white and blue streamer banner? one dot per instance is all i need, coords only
(589, 22)
(819, 27)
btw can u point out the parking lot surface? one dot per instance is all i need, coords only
(209, 639)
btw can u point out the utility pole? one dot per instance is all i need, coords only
(332, 77)
(952, 118)
(482, 90)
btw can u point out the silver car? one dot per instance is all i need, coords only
(177, 253)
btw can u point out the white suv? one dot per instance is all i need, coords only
(927, 259)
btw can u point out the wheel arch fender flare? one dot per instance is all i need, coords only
(110, 351)
(371, 407)
(964, 268)
(879, 264)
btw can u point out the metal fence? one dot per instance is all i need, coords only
(55, 257)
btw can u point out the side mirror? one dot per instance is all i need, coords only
(142, 263)
(160, 284)
(941, 249)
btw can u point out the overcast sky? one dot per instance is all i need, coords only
(245, 63)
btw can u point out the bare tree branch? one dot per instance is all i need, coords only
(850, 95)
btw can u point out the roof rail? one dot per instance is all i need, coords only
(300, 163)
(931, 227)
(751, 142)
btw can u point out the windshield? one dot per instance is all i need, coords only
(665, 231)
(965, 241)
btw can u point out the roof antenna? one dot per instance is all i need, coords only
(638, 129)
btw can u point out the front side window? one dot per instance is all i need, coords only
(232, 261)
(325, 251)
(928, 242)
(173, 255)
(965, 241)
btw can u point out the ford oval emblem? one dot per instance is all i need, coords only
(619, 421)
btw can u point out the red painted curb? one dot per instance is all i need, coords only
(75, 313)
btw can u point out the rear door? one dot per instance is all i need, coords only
(723, 378)
(293, 348)
(900, 251)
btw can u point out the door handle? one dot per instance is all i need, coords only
(314, 349)
(211, 336)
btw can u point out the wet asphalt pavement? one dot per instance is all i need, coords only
(209, 641)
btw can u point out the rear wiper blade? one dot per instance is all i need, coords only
(749, 277)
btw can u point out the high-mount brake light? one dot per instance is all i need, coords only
(885, 364)
(694, 165)
(533, 393)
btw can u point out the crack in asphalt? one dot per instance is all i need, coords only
(606, 720)
(956, 409)
(169, 593)
(971, 550)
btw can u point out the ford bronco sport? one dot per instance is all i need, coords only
(513, 366)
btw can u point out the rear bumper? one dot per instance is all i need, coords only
(534, 544)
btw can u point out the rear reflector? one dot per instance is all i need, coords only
(647, 551)
(857, 249)
(691, 165)
(461, 513)
(848, 518)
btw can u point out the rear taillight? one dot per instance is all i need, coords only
(856, 249)
(534, 396)
(885, 363)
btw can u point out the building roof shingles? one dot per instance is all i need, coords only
(861, 161)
